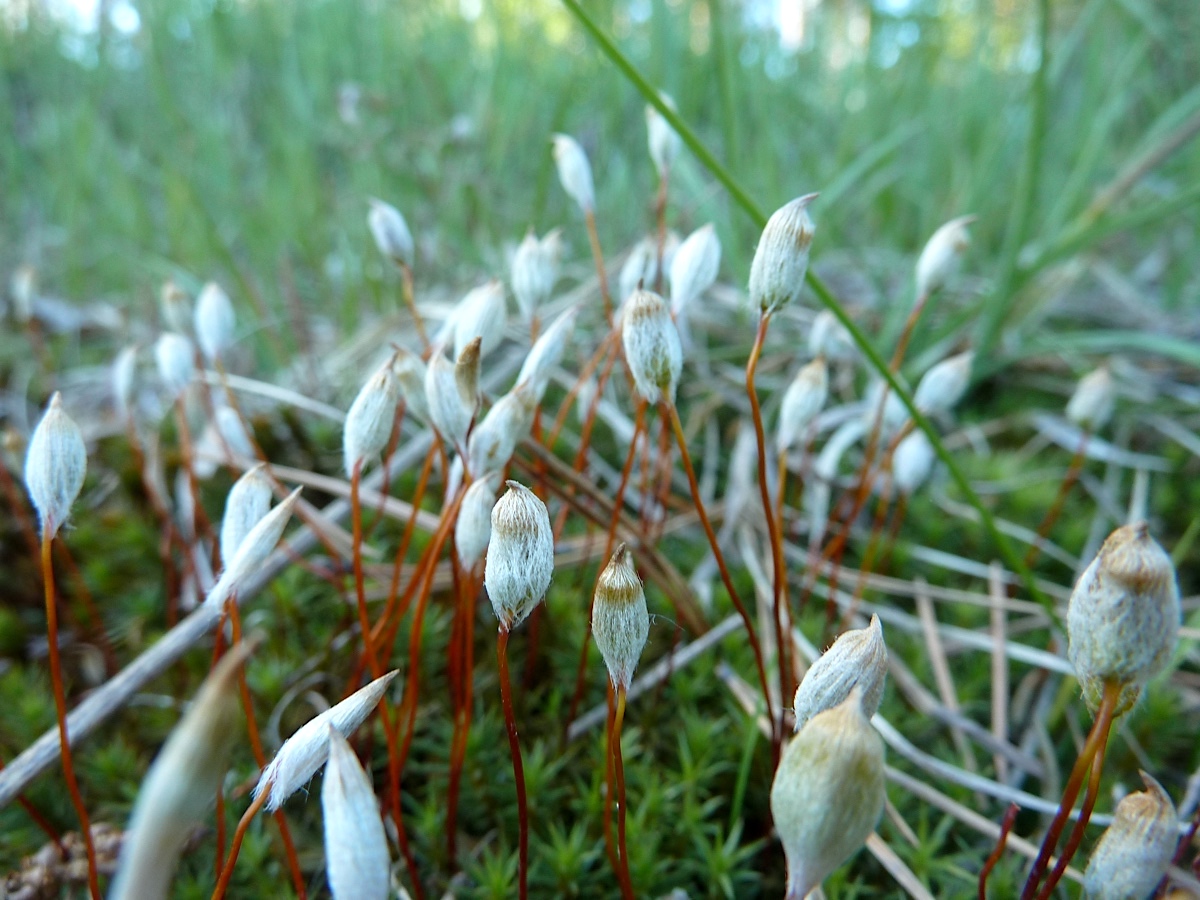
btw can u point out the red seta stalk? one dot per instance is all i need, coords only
(514, 744)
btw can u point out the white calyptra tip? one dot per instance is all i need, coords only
(828, 793)
(803, 399)
(535, 270)
(620, 621)
(664, 143)
(574, 171)
(410, 373)
(480, 314)
(546, 352)
(306, 750)
(1091, 406)
(124, 371)
(390, 232)
(858, 658)
(449, 415)
(248, 501)
(829, 337)
(520, 555)
(781, 259)
(1134, 852)
(356, 852)
(180, 785)
(493, 440)
(694, 267)
(474, 525)
(940, 388)
(369, 422)
(652, 346)
(176, 362)
(942, 254)
(912, 461)
(252, 552)
(1123, 617)
(55, 465)
(215, 321)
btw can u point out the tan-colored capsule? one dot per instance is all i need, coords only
(620, 621)
(1134, 852)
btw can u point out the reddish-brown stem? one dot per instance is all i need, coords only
(910, 325)
(514, 744)
(1010, 817)
(878, 522)
(564, 409)
(598, 259)
(610, 844)
(235, 846)
(726, 578)
(60, 709)
(1060, 499)
(619, 770)
(778, 586)
(41, 821)
(660, 218)
(410, 300)
(462, 722)
(1098, 734)
(219, 860)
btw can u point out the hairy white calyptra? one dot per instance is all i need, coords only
(781, 258)
(390, 232)
(180, 785)
(306, 750)
(176, 307)
(535, 270)
(493, 440)
(664, 143)
(620, 621)
(828, 793)
(940, 388)
(641, 265)
(546, 352)
(694, 267)
(248, 501)
(858, 658)
(912, 461)
(214, 322)
(829, 338)
(473, 527)
(574, 171)
(480, 314)
(1091, 406)
(1134, 852)
(252, 552)
(520, 555)
(55, 466)
(802, 400)
(124, 371)
(652, 347)
(176, 362)
(466, 374)
(410, 373)
(447, 412)
(369, 422)
(943, 252)
(1123, 617)
(356, 853)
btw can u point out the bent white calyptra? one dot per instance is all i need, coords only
(781, 258)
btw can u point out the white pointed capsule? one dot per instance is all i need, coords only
(493, 440)
(781, 258)
(176, 307)
(828, 793)
(356, 854)
(1123, 617)
(368, 424)
(574, 171)
(55, 466)
(474, 525)
(641, 265)
(652, 347)
(912, 461)
(943, 253)
(447, 412)
(1091, 406)
(858, 658)
(803, 399)
(520, 555)
(535, 270)
(124, 371)
(180, 786)
(215, 321)
(694, 267)
(620, 621)
(547, 352)
(410, 373)
(390, 232)
(480, 314)
(1134, 852)
(829, 338)
(664, 143)
(252, 552)
(176, 362)
(940, 389)
(306, 751)
(248, 501)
